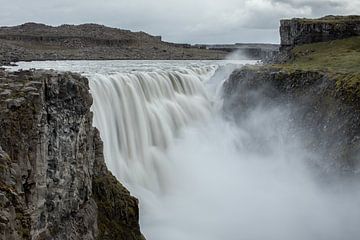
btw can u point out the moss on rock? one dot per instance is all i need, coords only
(118, 212)
(338, 59)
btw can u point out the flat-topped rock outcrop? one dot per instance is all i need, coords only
(299, 31)
(33, 41)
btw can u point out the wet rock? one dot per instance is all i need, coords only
(324, 113)
(5, 92)
(14, 104)
(50, 158)
(29, 89)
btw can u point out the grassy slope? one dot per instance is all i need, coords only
(342, 56)
(340, 59)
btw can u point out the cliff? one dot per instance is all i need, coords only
(54, 183)
(318, 80)
(325, 112)
(32, 41)
(299, 31)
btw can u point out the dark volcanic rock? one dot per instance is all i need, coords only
(298, 31)
(302, 31)
(53, 178)
(323, 111)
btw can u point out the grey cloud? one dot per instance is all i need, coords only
(205, 21)
(314, 4)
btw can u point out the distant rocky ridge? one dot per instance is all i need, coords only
(298, 31)
(325, 114)
(33, 41)
(54, 183)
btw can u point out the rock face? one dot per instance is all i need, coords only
(318, 86)
(325, 112)
(299, 31)
(54, 183)
(32, 41)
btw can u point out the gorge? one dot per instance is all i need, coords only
(212, 149)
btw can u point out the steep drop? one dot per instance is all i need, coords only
(140, 113)
(199, 175)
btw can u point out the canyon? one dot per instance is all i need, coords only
(178, 134)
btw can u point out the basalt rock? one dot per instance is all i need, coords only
(323, 111)
(299, 31)
(54, 180)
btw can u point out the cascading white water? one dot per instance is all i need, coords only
(140, 113)
(199, 176)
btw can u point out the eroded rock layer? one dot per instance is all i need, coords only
(298, 31)
(323, 109)
(54, 183)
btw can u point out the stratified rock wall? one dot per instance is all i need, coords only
(299, 31)
(51, 162)
(322, 110)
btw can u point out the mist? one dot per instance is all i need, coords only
(248, 177)
(236, 55)
(250, 180)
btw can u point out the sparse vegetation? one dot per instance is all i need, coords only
(117, 210)
(340, 56)
(340, 59)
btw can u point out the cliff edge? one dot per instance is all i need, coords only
(54, 183)
(317, 77)
(299, 31)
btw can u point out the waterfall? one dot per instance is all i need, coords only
(140, 113)
(201, 176)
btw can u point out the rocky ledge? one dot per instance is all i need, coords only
(54, 183)
(318, 80)
(299, 31)
(323, 110)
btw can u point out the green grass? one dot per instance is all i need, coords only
(339, 56)
(340, 59)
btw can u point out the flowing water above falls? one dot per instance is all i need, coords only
(199, 176)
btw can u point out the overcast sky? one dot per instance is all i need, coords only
(192, 21)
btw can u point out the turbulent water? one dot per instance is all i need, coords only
(200, 176)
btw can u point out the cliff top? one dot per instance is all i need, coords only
(326, 19)
(339, 59)
(298, 31)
